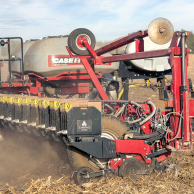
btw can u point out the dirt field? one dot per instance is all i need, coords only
(33, 165)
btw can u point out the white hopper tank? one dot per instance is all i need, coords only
(157, 64)
(49, 57)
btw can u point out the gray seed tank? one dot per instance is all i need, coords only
(49, 57)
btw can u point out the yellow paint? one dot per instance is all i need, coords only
(28, 100)
(4, 99)
(148, 82)
(51, 104)
(45, 103)
(56, 104)
(130, 86)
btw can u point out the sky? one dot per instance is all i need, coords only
(107, 19)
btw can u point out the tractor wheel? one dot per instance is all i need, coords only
(130, 168)
(112, 128)
(75, 38)
(79, 175)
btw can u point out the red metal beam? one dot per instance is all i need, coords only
(66, 76)
(10, 85)
(94, 79)
(121, 42)
(75, 77)
(140, 55)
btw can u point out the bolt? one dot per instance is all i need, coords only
(161, 30)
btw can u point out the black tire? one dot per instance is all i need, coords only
(129, 166)
(112, 128)
(78, 175)
(72, 41)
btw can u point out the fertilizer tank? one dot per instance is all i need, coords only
(157, 64)
(160, 32)
(49, 57)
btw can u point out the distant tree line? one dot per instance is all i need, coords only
(190, 41)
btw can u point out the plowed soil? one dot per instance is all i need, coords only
(35, 166)
(29, 164)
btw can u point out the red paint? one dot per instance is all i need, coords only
(75, 89)
(65, 76)
(163, 156)
(139, 45)
(115, 163)
(92, 52)
(17, 85)
(91, 72)
(80, 41)
(139, 55)
(137, 147)
(38, 85)
(133, 147)
(191, 108)
(121, 42)
(94, 79)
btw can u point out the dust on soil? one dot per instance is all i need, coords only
(25, 157)
(155, 183)
(33, 165)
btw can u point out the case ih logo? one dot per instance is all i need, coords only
(84, 124)
(62, 60)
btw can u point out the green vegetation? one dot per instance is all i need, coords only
(190, 40)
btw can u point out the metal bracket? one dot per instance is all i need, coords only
(154, 138)
(157, 153)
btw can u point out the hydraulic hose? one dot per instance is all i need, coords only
(156, 133)
(179, 127)
(119, 111)
(146, 136)
(137, 120)
(147, 118)
(136, 104)
(151, 115)
(110, 107)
